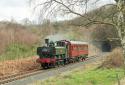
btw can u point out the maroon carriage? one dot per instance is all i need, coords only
(76, 50)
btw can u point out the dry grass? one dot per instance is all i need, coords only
(114, 59)
(16, 66)
(93, 50)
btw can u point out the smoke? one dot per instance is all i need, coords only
(71, 34)
(57, 37)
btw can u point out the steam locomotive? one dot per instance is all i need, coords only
(61, 53)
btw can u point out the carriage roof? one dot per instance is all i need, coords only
(78, 42)
(75, 42)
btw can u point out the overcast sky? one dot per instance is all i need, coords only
(17, 9)
(20, 9)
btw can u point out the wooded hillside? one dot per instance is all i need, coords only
(26, 37)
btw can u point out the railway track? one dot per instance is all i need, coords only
(10, 78)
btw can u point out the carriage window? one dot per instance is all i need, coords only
(75, 47)
(78, 47)
(72, 48)
(82, 47)
(85, 48)
(60, 44)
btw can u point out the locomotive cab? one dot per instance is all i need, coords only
(60, 43)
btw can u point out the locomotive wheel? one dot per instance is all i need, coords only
(57, 63)
(45, 66)
(64, 61)
(53, 65)
(61, 62)
(83, 59)
(73, 60)
(78, 59)
(68, 61)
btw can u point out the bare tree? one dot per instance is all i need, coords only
(79, 8)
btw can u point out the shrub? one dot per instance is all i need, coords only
(15, 33)
(114, 59)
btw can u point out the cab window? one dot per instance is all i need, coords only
(60, 44)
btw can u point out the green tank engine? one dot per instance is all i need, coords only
(52, 53)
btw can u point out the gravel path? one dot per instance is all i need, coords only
(52, 72)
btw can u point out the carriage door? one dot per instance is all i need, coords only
(67, 50)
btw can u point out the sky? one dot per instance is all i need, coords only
(21, 9)
(15, 9)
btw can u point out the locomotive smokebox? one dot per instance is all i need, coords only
(47, 41)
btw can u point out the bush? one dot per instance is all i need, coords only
(114, 59)
(15, 33)
(17, 51)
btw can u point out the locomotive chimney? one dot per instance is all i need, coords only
(47, 41)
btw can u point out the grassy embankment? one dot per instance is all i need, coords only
(16, 41)
(17, 51)
(87, 77)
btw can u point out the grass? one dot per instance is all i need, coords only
(17, 51)
(88, 77)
